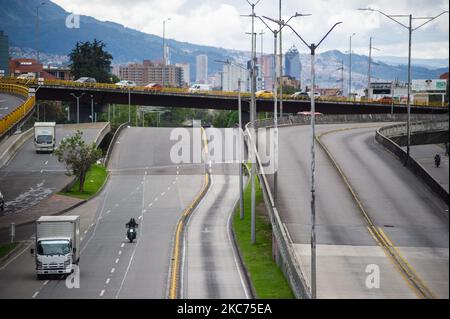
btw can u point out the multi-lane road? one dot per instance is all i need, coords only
(146, 185)
(412, 220)
(8, 103)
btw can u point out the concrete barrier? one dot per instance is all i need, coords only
(15, 142)
(111, 144)
(417, 169)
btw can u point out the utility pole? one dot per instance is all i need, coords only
(313, 48)
(38, 35)
(369, 78)
(129, 105)
(350, 69)
(92, 108)
(410, 29)
(78, 105)
(280, 64)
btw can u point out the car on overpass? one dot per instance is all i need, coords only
(86, 79)
(264, 94)
(156, 87)
(300, 95)
(125, 84)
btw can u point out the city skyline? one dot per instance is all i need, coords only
(201, 23)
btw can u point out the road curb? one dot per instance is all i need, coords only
(5, 258)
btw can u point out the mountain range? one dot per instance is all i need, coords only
(18, 20)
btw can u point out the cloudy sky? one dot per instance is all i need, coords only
(218, 23)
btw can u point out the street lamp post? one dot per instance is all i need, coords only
(129, 105)
(313, 48)
(92, 108)
(78, 105)
(281, 24)
(253, 129)
(350, 69)
(410, 29)
(38, 35)
(240, 138)
(369, 73)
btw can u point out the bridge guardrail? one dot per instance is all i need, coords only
(111, 144)
(173, 90)
(383, 137)
(13, 118)
(283, 247)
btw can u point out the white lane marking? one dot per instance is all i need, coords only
(46, 163)
(120, 252)
(156, 199)
(140, 217)
(163, 193)
(168, 188)
(150, 205)
(81, 238)
(173, 182)
(45, 283)
(35, 294)
(123, 244)
(108, 211)
(12, 259)
(113, 270)
(108, 280)
(42, 170)
(85, 232)
(135, 247)
(145, 173)
(102, 292)
(117, 261)
(92, 224)
(116, 205)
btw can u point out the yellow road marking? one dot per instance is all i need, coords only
(173, 289)
(404, 268)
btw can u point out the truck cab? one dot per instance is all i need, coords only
(57, 245)
(44, 136)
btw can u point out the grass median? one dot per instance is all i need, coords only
(95, 178)
(6, 249)
(267, 278)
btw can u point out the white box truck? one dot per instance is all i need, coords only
(44, 136)
(57, 245)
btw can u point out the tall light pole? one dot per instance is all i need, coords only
(240, 138)
(350, 68)
(38, 35)
(341, 68)
(369, 78)
(92, 108)
(276, 69)
(129, 105)
(280, 64)
(252, 121)
(164, 51)
(410, 29)
(78, 105)
(313, 48)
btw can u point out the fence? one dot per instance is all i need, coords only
(13, 118)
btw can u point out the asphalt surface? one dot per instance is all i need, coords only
(29, 177)
(8, 103)
(424, 155)
(413, 217)
(346, 251)
(144, 184)
(211, 268)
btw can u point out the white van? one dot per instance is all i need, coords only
(199, 88)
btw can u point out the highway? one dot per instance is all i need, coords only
(211, 265)
(31, 177)
(8, 103)
(411, 216)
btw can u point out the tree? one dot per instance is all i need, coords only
(78, 156)
(91, 60)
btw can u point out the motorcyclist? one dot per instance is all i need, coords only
(132, 223)
(437, 160)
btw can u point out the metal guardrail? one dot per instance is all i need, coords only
(285, 254)
(173, 90)
(13, 118)
(422, 126)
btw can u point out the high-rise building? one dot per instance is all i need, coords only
(266, 62)
(186, 78)
(4, 54)
(230, 76)
(149, 72)
(202, 69)
(292, 64)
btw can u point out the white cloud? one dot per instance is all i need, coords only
(218, 23)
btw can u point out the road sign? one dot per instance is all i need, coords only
(429, 85)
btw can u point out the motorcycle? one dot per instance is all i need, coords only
(131, 234)
(437, 160)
